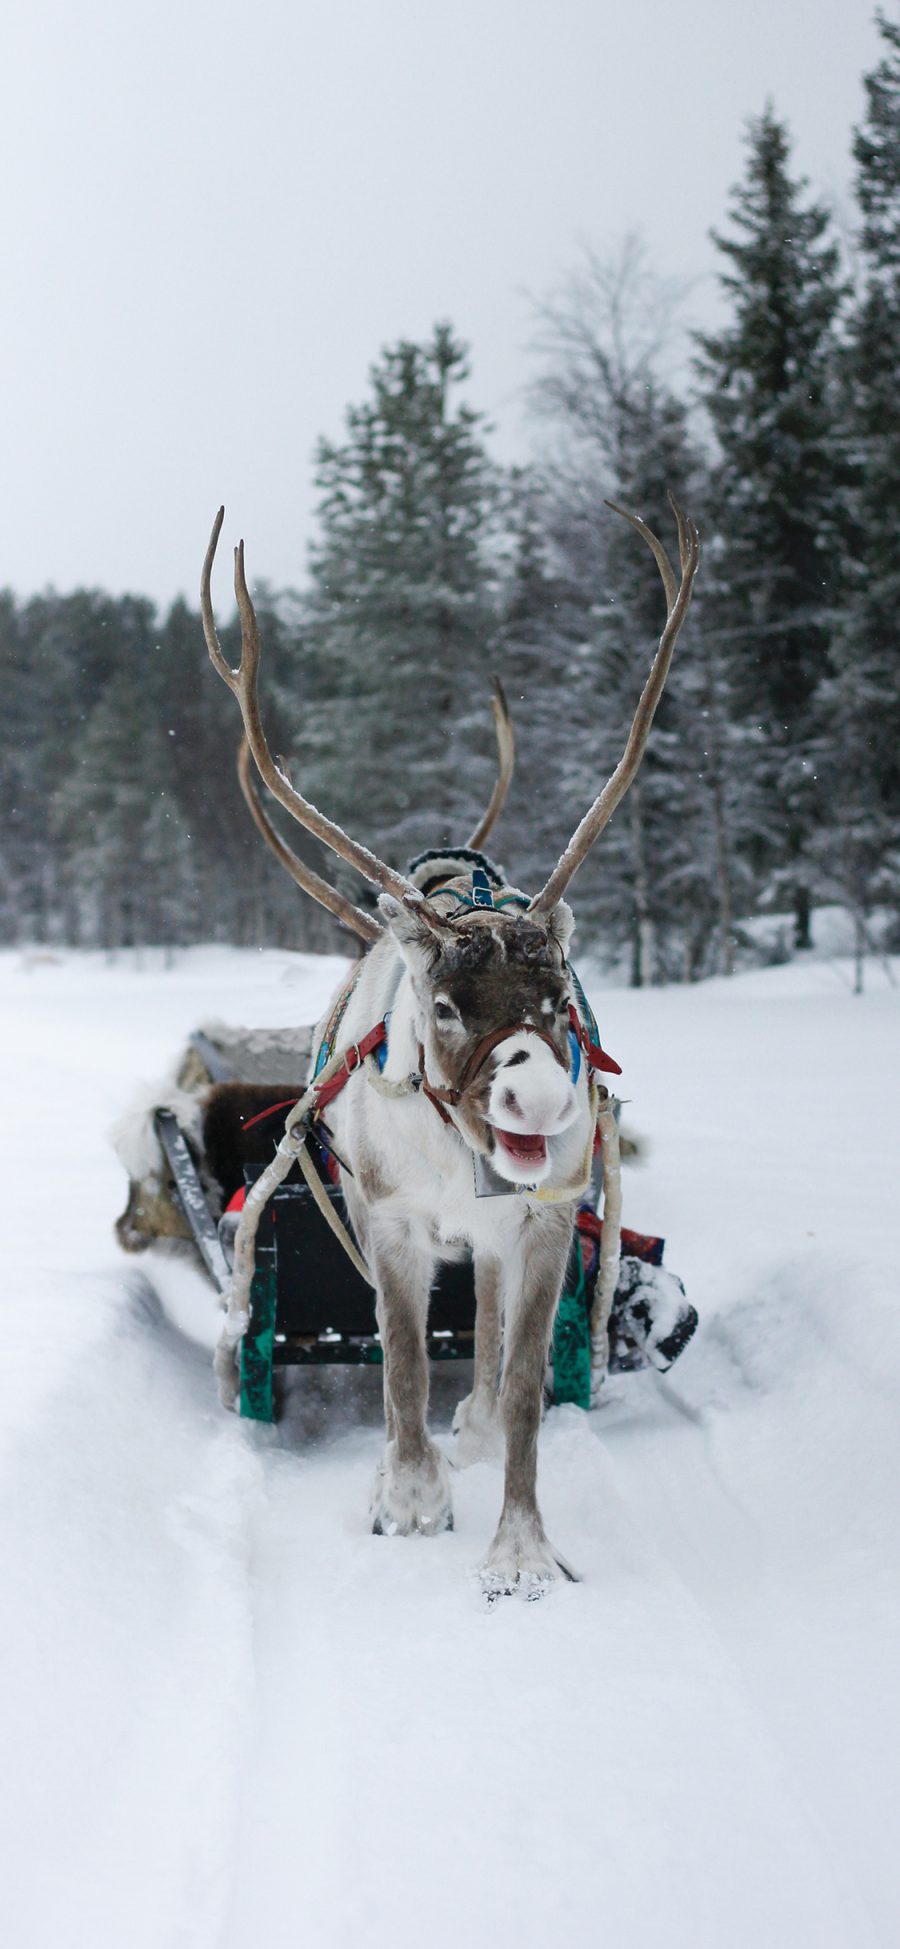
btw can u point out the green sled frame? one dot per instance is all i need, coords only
(309, 1307)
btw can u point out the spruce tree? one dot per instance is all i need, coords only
(393, 737)
(860, 756)
(19, 846)
(68, 652)
(768, 385)
(874, 365)
(119, 824)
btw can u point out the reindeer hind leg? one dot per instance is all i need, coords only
(412, 1484)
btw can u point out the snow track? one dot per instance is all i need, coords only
(129, 1522)
(231, 1715)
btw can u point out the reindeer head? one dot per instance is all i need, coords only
(492, 993)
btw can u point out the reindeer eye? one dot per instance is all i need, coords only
(444, 1013)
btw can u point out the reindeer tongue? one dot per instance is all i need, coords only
(522, 1149)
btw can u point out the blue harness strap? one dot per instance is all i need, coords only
(584, 1007)
(335, 1019)
(575, 1050)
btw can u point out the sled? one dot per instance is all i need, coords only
(309, 1306)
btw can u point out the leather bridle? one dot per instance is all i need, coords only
(596, 1058)
(440, 1094)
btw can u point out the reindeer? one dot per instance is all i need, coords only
(489, 1065)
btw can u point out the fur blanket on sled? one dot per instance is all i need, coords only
(222, 1076)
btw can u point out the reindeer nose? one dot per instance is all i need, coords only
(510, 1104)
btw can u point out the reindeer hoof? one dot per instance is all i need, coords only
(437, 1528)
(522, 1564)
(528, 1585)
(408, 1497)
(477, 1434)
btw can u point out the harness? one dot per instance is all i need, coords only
(332, 1074)
(332, 1071)
(584, 1036)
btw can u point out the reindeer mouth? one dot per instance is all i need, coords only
(519, 1148)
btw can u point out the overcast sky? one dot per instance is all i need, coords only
(213, 217)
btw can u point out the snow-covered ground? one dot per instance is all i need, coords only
(231, 1716)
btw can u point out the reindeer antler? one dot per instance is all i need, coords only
(678, 596)
(311, 882)
(243, 683)
(506, 754)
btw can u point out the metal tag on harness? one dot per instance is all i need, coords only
(489, 1183)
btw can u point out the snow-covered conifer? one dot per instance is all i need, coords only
(768, 384)
(394, 737)
(858, 846)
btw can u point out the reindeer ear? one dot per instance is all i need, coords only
(414, 927)
(562, 925)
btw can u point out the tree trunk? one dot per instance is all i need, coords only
(720, 824)
(859, 931)
(723, 875)
(802, 918)
(636, 978)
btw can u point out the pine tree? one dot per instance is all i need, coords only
(121, 747)
(68, 651)
(769, 388)
(119, 823)
(874, 363)
(19, 865)
(394, 737)
(859, 761)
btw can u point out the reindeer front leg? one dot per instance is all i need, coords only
(520, 1557)
(477, 1426)
(412, 1486)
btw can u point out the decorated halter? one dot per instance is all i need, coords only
(483, 894)
(488, 891)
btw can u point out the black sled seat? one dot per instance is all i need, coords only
(310, 1307)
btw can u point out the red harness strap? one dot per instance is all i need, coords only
(435, 1092)
(438, 1096)
(596, 1056)
(353, 1060)
(287, 1103)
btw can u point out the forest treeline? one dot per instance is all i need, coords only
(772, 780)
